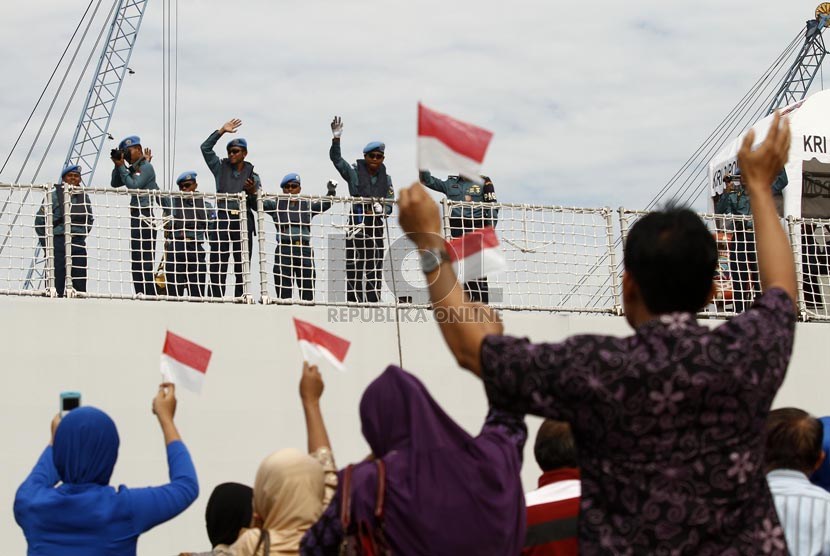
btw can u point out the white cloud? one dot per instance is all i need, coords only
(591, 104)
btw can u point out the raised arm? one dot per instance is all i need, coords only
(311, 390)
(208, 153)
(432, 182)
(344, 168)
(463, 323)
(154, 505)
(759, 169)
(43, 475)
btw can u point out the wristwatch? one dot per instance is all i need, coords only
(432, 258)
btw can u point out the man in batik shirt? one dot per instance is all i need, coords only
(669, 422)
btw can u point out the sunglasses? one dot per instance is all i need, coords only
(234, 151)
(374, 156)
(291, 185)
(186, 184)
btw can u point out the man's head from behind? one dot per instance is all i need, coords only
(670, 259)
(793, 441)
(555, 447)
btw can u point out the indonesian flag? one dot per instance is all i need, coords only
(476, 254)
(316, 342)
(184, 363)
(445, 143)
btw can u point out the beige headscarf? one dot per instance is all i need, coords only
(288, 495)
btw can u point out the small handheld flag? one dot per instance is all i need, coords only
(445, 143)
(316, 342)
(476, 254)
(184, 363)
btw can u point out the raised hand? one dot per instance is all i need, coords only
(311, 384)
(164, 404)
(148, 154)
(231, 126)
(337, 127)
(760, 167)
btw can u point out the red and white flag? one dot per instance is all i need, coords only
(476, 254)
(184, 363)
(451, 145)
(316, 342)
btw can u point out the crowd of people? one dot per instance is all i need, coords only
(662, 442)
(227, 230)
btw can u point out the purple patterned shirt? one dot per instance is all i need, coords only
(669, 424)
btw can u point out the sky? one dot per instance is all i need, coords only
(592, 104)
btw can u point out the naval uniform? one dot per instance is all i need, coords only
(140, 176)
(365, 246)
(227, 240)
(293, 256)
(80, 223)
(466, 218)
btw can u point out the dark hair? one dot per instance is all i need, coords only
(793, 440)
(555, 446)
(672, 257)
(229, 509)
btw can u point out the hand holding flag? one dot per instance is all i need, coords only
(184, 363)
(316, 343)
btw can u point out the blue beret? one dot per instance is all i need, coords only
(238, 142)
(70, 168)
(289, 178)
(374, 146)
(190, 175)
(130, 141)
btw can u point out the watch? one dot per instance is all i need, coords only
(432, 258)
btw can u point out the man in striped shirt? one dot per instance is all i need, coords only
(553, 508)
(793, 452)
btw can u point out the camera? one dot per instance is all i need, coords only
(116, 154)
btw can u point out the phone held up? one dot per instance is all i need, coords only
(69, 401)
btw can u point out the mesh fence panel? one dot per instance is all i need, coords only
(346, 251)
(163, 245)
(26, 256)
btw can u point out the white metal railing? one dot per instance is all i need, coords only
(342, 251)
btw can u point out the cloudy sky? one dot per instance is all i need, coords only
(592, 104)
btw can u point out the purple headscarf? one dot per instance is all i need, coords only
(446, 492)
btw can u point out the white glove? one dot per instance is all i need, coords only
(378, 208)
(337, 127)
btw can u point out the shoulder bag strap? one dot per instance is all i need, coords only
(381, 489)
(346, 500)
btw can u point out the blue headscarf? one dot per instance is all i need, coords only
(822, 475)
(86, 447)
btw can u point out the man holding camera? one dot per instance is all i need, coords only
(140, 178)
(294, 257)
(468, 217)
(367, 179)
(232, 175)
(743, 260)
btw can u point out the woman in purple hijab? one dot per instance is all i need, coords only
(446, 491)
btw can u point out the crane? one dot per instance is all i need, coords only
(93, 125)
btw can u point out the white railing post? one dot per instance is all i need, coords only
(263, 255)
(616, 301)
(247, 297)
(48, 242)
(68, 288)
(795, 227)
(445, 206)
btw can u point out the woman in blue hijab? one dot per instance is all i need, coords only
(66, 506)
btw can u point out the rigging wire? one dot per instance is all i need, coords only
(691, 160)
(48, 82)
(163, 89)
(175, 95)
(54, 134)
(57, 93)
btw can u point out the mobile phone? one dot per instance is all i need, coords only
(69, 401)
